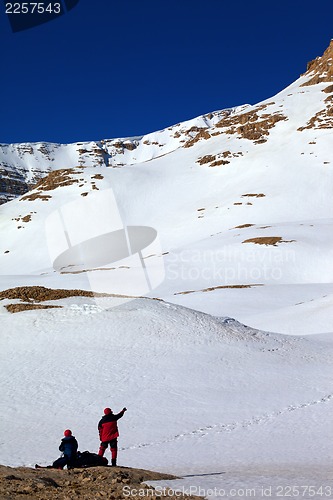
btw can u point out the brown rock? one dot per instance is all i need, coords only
(267, 240)
(251, 125)
(88, 484)
(202, 134)
(320, 69)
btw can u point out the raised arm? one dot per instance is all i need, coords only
(121, 413)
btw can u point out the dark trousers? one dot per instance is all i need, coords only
(113, 445)
(62, 461)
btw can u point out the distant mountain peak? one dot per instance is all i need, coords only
(321, 69)
(215, 139)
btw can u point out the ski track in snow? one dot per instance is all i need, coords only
(233, 426)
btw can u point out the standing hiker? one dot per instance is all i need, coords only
(108, 433)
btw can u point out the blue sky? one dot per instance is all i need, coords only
(128, 67)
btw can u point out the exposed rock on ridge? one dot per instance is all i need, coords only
(321, 69)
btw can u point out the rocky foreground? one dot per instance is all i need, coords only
(86, 484)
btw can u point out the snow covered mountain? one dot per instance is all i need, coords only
(240, 200)
(22, 165)
(122, 265)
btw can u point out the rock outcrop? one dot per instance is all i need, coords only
(320, 69)
(86, 484)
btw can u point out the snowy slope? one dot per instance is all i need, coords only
(205, 389)
(226, 216)
(240, 198)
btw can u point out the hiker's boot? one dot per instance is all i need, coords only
(114, 462)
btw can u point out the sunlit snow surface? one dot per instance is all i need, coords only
(207, 396)
(204, 394)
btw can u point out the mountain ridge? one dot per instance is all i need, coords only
(22, 165)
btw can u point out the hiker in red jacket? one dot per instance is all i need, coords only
(108, 433)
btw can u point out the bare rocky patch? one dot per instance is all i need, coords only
(328, 89)
(267, 240)
(58, 178)
(30, 297)
(121, 145)
(206, 159)
(202, 133)
(15, 308)
(253, 195)
(242, 226)
(54, 180)
(130, 146)
(217, 163)
(251, 125)
(218, 159)
(220, 287)
(321, 120)
(61, 178)
(250, 195)
(36, 196)
(24, 219)
(34, 295)
(320, 69)
(40, 293)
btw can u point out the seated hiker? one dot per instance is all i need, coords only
(72, 457)
(108, 433)
(69, 447)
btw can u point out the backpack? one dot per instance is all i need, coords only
(88, 459)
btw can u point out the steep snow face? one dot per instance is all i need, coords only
(240, 201)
